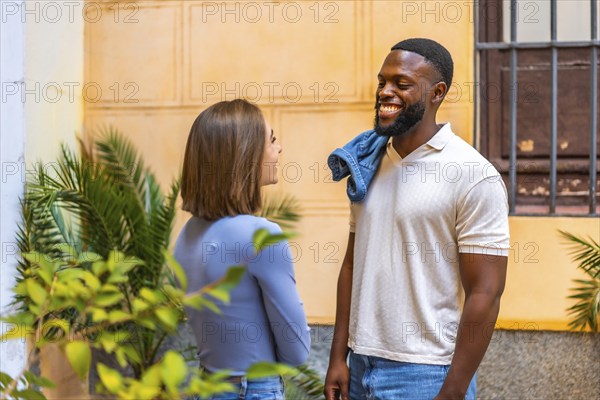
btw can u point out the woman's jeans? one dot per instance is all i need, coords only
(254, 389)
(377, 378)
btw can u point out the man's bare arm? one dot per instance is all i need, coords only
(338, 377)
(483, 278)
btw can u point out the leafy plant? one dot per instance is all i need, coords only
(93, 287)
(100, 200)
(586, 311)
(281, 209)
(307, 384)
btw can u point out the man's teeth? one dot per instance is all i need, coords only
(389, 108)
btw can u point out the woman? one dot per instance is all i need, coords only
(231, 152)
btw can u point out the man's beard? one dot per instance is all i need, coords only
(403, 123)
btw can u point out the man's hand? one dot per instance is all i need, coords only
(337, 381)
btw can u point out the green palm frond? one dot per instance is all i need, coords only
(586, 252)
(121, 161)
(586, 311)
(307, 385)
(281, 209)
(101, 199)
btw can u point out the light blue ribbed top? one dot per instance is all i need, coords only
(265, 320)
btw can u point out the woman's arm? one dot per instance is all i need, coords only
(274, 271)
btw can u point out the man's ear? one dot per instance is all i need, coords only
(438, 92)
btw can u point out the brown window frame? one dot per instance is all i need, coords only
(525, 128)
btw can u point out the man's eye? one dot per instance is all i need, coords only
(273, 139)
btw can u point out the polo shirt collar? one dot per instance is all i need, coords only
(442, 137)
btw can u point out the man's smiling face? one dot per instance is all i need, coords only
(402, 93)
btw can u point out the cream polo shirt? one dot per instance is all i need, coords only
(419, 213)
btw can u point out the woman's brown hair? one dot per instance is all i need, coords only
(221, 167)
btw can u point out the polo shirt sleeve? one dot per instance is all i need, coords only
(352, 220)
(482, 219)
(274, 272)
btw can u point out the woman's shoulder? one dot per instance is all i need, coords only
(252, 223)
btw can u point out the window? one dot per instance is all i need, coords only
(538, 102)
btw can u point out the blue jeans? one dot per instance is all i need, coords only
(255, 389)
(375, 378)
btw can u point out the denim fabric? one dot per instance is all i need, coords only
(255, 389)
(375, 378)
(360, 159)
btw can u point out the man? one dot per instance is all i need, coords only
(419, 288)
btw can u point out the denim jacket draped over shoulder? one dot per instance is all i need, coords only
(360, 159)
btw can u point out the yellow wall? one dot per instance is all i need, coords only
(53, 88)
(311, 66)
(540, 271)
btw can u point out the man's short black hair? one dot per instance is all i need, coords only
(433, 52)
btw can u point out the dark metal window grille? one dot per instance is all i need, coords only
(514, 46)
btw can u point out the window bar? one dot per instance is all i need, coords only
(554, 111)
(512, 169)
(535, 45)
(594, 106)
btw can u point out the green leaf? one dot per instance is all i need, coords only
(147, 392)
(21, 288)
(168, 316)
(263, 238)
(126, 264)
(46, 269)
(89, 256)
(132, 354)
(29, 394)
(198, 302)
(67, 250)
(152, 376)
(220, 289)
(36, 292)
(266, 369)
(118, 316)
(5, 379)
(69, 274)
(98, 314)
(152, 296)
(108, 299)
(259, 237)
(33, 257)
(39, 380)
(118, 277)
(176, 268)
(139, 305)
(173, 370)
(79, 356)
(91, 281)
(111, 379)
(120, 354)
(146, 322)
(99, 268)
(108, 343)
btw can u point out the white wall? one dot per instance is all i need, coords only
(42, 106)
(12, 134)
